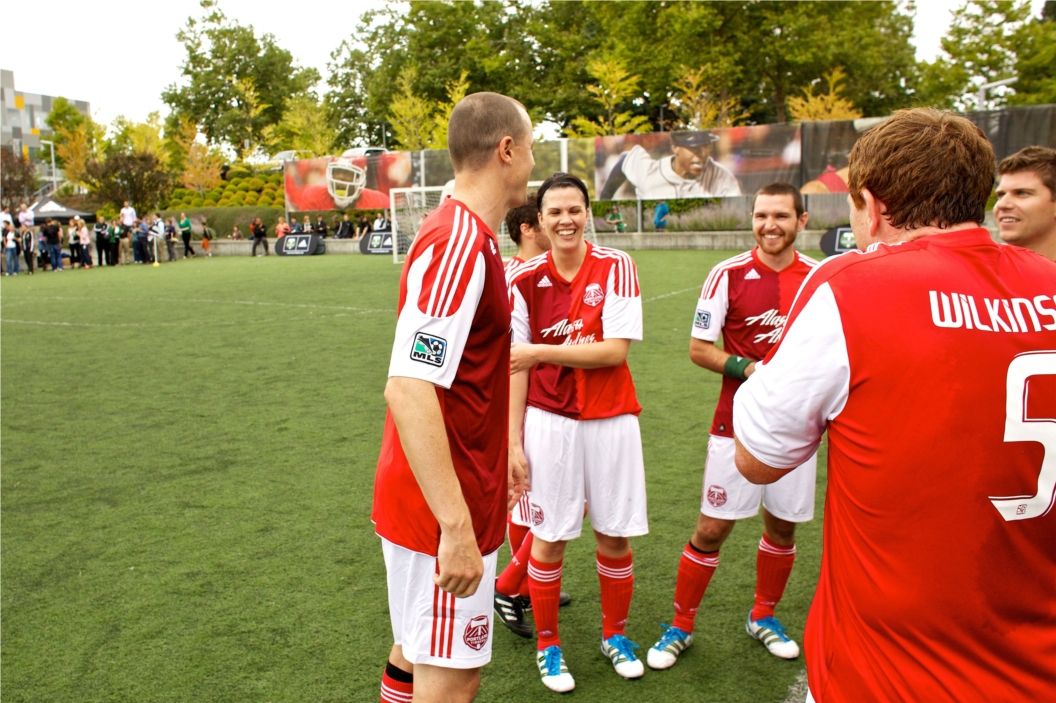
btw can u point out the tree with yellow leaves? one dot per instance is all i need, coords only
(73, 147)
(456, 90)
(829, 106)
(411, 115)
(615, 87)
(201, 168)
(700, 106)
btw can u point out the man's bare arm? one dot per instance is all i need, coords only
(708, 356)
(753, 470)
(596, 355)
(416, 411)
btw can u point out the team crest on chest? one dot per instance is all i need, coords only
(476, 634)
(594, 295)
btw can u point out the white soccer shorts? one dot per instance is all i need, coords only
(728, 495)
(431, 625)
(597, 461)
(522, 512)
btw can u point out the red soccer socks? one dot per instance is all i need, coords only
(544, 581)
(397, 686)
(517, 534)
(695, 570)
(773, 564)
(617, 586)
(513, 581)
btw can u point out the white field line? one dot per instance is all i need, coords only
(797, 692)
(211, 302)
(672, 293)
(202, 323)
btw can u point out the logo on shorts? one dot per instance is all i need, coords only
(593, 295)
(702, 319)
(536, 514)
(429, 349)
(476, 634)
(717, 496)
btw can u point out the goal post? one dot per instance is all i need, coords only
(410, 207)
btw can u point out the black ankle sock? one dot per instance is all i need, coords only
(397, 674)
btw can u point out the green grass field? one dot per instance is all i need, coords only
(187, 467)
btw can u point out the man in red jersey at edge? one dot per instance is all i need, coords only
(522, 224)
(441, 490)
(746, 299)
(576, 311)
(930, 358)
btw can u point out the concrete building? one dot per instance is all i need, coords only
(22, 117)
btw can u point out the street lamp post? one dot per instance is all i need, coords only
(54, 175)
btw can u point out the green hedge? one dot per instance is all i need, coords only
(222, 219)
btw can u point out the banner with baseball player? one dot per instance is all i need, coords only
(714, 163)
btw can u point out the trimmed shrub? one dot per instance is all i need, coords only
(243, 187)
(197, 202)
(251, 200)
(209, 202)
(256, 184)
(223, 202)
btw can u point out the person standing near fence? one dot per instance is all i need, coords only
(10, 248)
(29, 247)
(260, 235)
(53, 239)
(170, 239)
(74, 242)
(102, 238)
(185, 234)
(85, 238)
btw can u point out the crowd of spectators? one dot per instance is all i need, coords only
(131, 239)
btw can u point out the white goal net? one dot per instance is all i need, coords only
(410, 206)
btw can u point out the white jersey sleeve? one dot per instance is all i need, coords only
(712, 305)
(621, 316)
(781, 411)
(522, 330)
(429, 346)
(636, 165)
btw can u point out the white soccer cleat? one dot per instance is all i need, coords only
(771, 633)
(664, 653)
(620, 651)
(553, 670)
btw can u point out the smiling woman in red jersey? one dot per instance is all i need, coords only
(576, 310)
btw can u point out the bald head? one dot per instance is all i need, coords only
(478, 123)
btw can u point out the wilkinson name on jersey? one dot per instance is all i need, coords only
(1001, 314)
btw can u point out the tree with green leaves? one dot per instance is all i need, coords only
(236, 83)
(615, 87)
(1036, 61)
(138, 177)
(304, 127)
(982, 45)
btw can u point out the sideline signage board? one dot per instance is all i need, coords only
(300, 245)
(376, 243)
(838, 240)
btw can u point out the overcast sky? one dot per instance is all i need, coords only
(120, 54)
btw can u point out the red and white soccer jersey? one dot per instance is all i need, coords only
(513, 263)
(602, 302)
(747, 302)
(932, 364)
(453, 331)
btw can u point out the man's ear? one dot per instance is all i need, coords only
(527, 231)
(505, 150)
(874, 212)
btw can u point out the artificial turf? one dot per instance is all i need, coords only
(187, 469)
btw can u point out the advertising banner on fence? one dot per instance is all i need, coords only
(718, 163)
(346, 182)
(709, 164)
